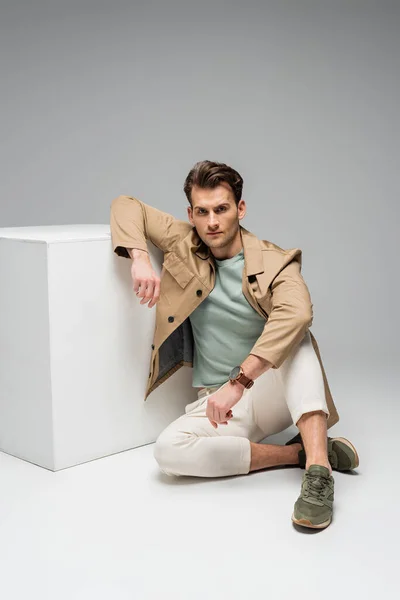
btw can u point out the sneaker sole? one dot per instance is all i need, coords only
(349, 445)
(307, 523)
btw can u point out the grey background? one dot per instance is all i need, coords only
(101, 99)
(301, 97)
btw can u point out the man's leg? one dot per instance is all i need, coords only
(268, 408)
(190, 445)
(304, 389)
(312, 427)
(273, 455)
(303, 381)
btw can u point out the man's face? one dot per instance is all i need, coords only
(215, 210)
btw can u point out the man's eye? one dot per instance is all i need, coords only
(203, 212)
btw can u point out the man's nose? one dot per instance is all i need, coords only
(212, 221)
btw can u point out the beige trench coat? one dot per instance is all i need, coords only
(272, 284)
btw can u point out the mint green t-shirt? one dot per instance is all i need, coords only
(225, 326)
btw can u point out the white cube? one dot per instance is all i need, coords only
(75, 346)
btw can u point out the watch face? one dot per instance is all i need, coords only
(234, 373)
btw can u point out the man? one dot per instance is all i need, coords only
(238, 311)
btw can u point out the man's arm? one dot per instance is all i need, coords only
(254, 366)
(132, 222)
(290, 317)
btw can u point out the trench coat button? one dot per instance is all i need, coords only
(152, 346)
(199, 292)
(170, 319)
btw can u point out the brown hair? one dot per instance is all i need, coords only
(208, 174)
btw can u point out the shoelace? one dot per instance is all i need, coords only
(315, 486)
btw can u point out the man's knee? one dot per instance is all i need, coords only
(168, 451)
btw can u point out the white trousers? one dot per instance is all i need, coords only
(190, 445)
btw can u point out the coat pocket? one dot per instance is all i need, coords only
(177, 268)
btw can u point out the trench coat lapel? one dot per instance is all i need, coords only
(253, 261)
(253, 264)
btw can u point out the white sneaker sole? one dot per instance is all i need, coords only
(307, 523)
(349, 445)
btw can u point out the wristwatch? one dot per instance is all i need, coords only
(237, 374)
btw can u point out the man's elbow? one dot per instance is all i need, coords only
(305, 316)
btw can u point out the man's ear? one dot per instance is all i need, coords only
(242, 209)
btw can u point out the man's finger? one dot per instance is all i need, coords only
(156, 294)
(214, 413)
(210, 415)
(149, 293)
(217, 415)
(141, 289)
(222, 413)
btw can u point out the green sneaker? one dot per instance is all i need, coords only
(342, 455)
(314, 507)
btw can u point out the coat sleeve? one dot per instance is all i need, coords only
(132, 223)
(291, 315)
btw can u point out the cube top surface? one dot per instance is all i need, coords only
(57, 233)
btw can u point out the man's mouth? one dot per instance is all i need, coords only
(215, 233)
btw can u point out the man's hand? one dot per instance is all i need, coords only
(146, 283)
(219, 403)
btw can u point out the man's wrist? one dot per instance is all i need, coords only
(239, 386)
(254, 366)
(136, 253)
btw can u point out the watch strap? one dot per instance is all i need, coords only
(243, 379)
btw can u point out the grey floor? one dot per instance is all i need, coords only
(118, 528)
